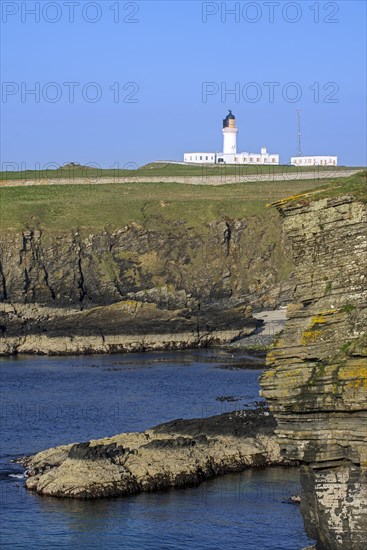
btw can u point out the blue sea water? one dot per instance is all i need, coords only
(47, 401)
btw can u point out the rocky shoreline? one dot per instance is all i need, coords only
(177, 454)
(127, 326)
(31, 329)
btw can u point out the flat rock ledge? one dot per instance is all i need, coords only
(126, 326)
(178, 454)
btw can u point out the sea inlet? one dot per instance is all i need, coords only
(48, 401)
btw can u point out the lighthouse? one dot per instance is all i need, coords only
(230, 132)
(229, 154)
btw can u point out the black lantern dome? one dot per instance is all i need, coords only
(226, 120)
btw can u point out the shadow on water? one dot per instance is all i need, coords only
(243, 510)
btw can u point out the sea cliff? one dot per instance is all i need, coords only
(87, 268)
(138, 288)
(316, 377)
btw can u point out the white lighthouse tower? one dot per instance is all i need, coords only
(229, 154)
(230, 132)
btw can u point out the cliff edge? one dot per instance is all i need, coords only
(316, 377)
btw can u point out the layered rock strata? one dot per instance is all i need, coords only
(316, 380)
(169, 264)
(177, 454)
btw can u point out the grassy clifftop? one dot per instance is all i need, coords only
(94, 207)
(355, 185)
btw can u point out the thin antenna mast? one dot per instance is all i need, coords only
(299, 148)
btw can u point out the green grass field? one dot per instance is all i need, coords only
(162, 170)
(95, 207)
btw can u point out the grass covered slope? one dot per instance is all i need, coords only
(355, 185)
(95, 207)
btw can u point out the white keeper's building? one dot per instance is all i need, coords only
(318, 160)
(230, 155)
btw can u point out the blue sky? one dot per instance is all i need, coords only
(161, 56)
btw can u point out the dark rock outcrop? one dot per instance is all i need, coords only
(316, 380)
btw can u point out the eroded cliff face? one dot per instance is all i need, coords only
(112, 287)
(167, 265)
(316, 381)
